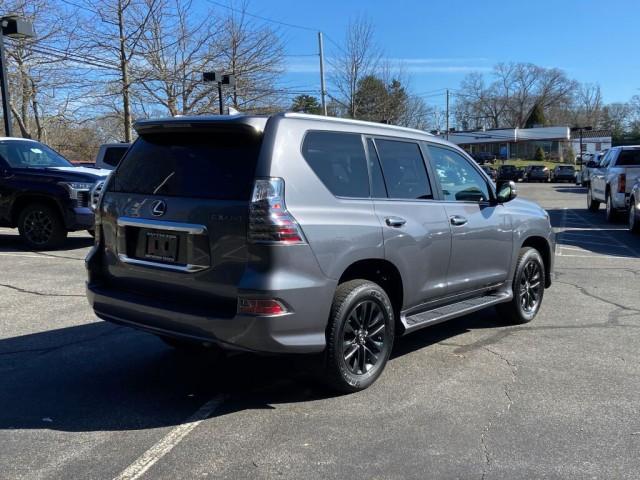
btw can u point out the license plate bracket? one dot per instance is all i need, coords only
(160, 246)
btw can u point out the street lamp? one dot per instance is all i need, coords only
(13, 27)
(220, 79)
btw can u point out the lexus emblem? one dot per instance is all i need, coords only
(158, 208)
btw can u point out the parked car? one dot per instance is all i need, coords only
(634, 208)
(490, 171)
(536, 173)
(612, 180)
(110, 154)
(563, 173)
(280, 250)
(484, 157)
(583, 177)
(508, 172)
(42, 194)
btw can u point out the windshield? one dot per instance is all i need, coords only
(26, 154)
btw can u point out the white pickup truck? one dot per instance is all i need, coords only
(612, 181)
(110, 155)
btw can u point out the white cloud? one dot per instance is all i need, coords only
(409, 65)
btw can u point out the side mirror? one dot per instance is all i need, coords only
(507, 191)
(5, 172)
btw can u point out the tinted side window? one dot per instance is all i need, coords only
(628, 157)
(378, 189)
(458, 179)
(338, 159)
(404, 171)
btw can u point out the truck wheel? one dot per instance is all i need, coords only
(634, 226)
(41, 227)
(528, 288)
(359, 336)
(592, 205)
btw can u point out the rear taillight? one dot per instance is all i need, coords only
(269, 220)
(622, 183)
(260, 306)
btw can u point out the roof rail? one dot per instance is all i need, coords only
(351, 121)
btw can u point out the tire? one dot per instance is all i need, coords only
(528, 288)
(592, 205)
(634, 225)
(610, 212)
(358, 306)
(41, 227)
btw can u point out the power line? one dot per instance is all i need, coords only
(260, 17)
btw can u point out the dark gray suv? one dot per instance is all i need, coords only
(305, 234)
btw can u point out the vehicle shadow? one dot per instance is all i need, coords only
(11, 242)
(99, 377)
(580, 229)
(571, 189)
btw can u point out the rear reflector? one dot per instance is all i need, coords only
(622, 183)
(260, 306)
(269, 220)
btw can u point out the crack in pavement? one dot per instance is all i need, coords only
(57, 256)
(585, 292)
(41, 294)
(513, 369)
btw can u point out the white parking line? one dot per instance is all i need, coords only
(169, 441)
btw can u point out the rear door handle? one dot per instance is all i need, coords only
(457, 220)
(395, 221)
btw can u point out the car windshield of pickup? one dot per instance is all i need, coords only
(28, 154)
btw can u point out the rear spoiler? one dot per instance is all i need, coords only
(253, 125)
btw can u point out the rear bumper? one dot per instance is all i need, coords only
(620, 201)
(288, 333)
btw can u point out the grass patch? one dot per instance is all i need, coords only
(524, 163)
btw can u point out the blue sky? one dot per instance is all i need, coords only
(439, 42)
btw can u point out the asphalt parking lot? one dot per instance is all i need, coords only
(472, 398)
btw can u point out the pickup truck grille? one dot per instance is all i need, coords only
(83, 199)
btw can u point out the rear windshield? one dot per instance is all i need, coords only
(538, 167)
(201, 165)
(628, 157)
(113, 155)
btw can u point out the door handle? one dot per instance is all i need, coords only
(457, 220)
(395, 221)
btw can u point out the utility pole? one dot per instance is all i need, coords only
(447, 114)
(323, 91)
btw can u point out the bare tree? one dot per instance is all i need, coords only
(515, 89)
(254, 54)
(37, 67)
(359, 58)
(112, 31)
(174, 51)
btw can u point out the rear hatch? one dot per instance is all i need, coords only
(174, 215)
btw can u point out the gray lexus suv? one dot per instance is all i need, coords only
(305, 234)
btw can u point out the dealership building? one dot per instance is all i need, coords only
(524, 142)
